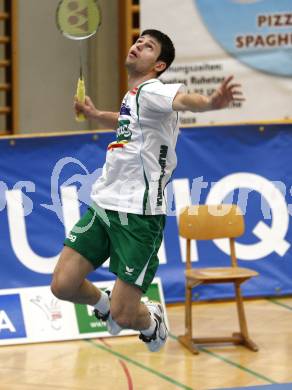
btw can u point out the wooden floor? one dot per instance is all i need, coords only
(124, 363)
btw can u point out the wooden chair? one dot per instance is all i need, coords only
(209, 222)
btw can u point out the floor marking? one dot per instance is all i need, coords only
(276, 302)
(226, 360)
(266, 387)
(140, 365)
(124, 366)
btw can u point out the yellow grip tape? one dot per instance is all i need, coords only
(80, 93)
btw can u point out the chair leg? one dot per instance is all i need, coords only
(188, 313)
(188, 343)
(186, 339)
(243, 335)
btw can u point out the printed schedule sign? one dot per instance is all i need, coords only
(250, 39)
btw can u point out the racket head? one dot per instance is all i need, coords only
(78, 19)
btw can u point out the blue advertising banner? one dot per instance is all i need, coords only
(45, 186)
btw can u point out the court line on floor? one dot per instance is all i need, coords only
(276, 302)
(232, 363)
(124, 366)
(138, 364)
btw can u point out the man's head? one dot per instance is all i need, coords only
(152, 52)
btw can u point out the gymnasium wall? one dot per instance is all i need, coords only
(2, 72)
(49, 66)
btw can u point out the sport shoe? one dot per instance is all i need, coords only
(157, 340)
(112, 327)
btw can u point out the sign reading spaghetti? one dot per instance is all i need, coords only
(251, 39)
(270, 40)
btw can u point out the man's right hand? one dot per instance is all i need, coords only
(105, 119)
(87, 108)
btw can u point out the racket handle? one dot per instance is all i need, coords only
(80, 93)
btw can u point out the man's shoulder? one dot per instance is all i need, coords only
(150, 85)
(158, 87)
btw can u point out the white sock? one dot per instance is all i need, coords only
(103, 305)
(112, 327)
(149, 331)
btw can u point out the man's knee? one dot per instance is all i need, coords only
(69, 274)
(61, 287)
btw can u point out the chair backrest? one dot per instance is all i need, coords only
(208, 222)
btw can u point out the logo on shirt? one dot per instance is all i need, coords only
(124, 135)
(162, 163)
(123, 132)
(134, 91)
(125, 110)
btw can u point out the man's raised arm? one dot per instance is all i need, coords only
(226, 93)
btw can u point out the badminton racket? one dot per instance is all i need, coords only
(78, 20)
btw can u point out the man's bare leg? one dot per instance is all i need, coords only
(128, 312)
(69, 281)
(126, 307)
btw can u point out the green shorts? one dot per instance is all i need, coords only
(131, 242)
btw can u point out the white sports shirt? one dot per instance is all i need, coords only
(141, 161)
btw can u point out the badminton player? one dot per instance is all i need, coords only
(126, 220)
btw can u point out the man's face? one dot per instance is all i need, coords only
(142, 56)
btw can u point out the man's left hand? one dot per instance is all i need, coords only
(227, 93)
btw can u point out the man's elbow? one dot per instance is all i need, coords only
(179, 102)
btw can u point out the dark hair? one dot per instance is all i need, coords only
(167, 49)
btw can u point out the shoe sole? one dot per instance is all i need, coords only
(163, 323)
